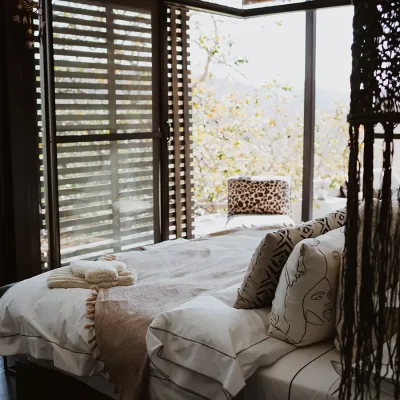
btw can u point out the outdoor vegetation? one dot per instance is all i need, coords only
(239, 129)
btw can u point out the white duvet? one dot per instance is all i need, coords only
(47, 324)
(204, 348)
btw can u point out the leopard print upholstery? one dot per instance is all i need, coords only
(259, 196)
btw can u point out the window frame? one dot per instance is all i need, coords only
(51, 139)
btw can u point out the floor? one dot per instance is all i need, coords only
(7, 384)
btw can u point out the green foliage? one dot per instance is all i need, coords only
(257, 133)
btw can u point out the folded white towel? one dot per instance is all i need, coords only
(80, 267)
(101, 274)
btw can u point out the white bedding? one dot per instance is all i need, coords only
(207, 348)
(203, 349)
(48, 324)
(306, 373)
(303, 373)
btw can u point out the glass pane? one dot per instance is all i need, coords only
(247, 106)
(334, 40)
(103, 74)
(105, 196)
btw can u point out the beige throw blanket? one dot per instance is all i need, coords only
(166, 279)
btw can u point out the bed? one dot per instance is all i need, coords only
(49, 325)
(202, 348)
(300, 374)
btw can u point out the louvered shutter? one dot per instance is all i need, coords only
(42, 199)
(180, 155)
(107, 126)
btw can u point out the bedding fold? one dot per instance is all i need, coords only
(167, 278)
(208, 348)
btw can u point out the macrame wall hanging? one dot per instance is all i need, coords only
(371, 264)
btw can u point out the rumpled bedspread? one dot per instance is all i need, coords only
(167, 279)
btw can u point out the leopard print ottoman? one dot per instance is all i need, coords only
(259, 195)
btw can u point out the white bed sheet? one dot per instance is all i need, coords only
(49, 324)
(207, 349)
(305, 373)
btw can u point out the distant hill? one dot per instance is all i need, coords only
(325, 99)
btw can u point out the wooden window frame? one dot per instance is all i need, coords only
(51, 139)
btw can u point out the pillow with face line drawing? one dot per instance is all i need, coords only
(303, 311)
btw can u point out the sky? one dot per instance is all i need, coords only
(275, 47)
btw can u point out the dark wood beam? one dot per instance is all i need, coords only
(309, 116)
(206, 6)
(21, 137)
(294, 7)
(50, 139)
(213, 8)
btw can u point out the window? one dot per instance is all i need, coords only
(247, 106)
(107, 127)
(148, 131)
(333, 69)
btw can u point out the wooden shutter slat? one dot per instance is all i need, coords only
(78, 21)
(75, 10)
(77, 32)
(179, 111)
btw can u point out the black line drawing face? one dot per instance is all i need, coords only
(311, 312)
(317, 304)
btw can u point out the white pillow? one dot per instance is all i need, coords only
(303, 311)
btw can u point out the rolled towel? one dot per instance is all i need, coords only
(101, 274)
(80, 267)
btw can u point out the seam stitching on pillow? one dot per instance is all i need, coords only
(212, 348)
(39, 337)
(174, 383)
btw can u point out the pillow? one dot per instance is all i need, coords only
(394, 223)
(262, 275)
(303, 310)
(259, 195)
